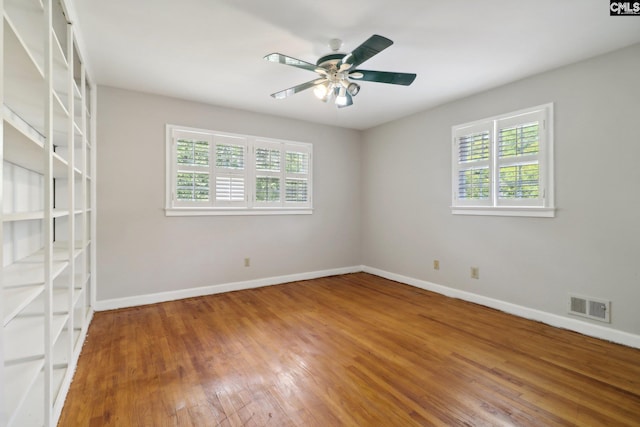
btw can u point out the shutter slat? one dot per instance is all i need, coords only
(230, 189)
(519, 182)
(296, 190)
(474, 184)
(473, 147)
(267, 159)
(192, 186)
(519, 140)
(297, 162)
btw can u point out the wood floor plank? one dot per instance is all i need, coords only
(350, 350)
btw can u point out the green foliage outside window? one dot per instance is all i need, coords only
(267, 189)
(474, 184)
(519, 182)
(474, 147)
(192, 186)
(230, 156)
(267, 160)
(192, 152)
(297, 162)
(519, 140)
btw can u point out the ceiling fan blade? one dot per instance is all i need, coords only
(374, 45)
(299, 88)
(287, 60)
(404, 79)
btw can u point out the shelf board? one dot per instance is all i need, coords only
(77, 344)
(16, 299)
(24, 82)
(60, 300)
(77, 295)
(27, 216)
(20, 380)
(60, 253)
(24, 146)
(57, 379)
(60, 66)
(22, 216)
(61, 349)
(20, 125)
(27, 337)
(33, 413)
(29, 271)
(25, 17)
(26, 89)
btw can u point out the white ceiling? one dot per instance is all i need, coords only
(211, 50)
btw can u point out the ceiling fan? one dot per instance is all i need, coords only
(337, 70)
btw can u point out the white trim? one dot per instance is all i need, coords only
(544, 205)
(576, 325)
(597, 331)
(504, 211)
(112, 304)
(244, 211)
(237, 206)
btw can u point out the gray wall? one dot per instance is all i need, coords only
(382, 199)
(592, 247)
(141, 251)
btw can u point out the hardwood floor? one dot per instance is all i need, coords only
(352, 350)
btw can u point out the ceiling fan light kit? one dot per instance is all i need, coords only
(336, 70)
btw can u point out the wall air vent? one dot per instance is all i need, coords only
(591, 308)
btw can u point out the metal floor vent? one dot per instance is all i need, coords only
(591, 308)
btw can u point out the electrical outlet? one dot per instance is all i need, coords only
(247, 262)
(436, 264)
(475, 272)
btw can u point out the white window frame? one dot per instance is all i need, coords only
(249, 205)
(544, 205)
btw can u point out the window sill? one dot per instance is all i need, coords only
(504, 211)
(236, 211)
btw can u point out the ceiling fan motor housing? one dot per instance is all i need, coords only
(329, 60)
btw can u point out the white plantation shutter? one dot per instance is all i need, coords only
(210, 173)
(504, 165)
(297, 167)
(230, 170)
(518, 159)
(229, 189)
(472, 169)
(191, 152)
(282, 174)
(268, 173)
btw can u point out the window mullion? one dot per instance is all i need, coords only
(213, 165)
(282, 175)
(494, 164)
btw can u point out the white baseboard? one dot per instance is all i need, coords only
(558, 321)
(112, 304)
(575, 325)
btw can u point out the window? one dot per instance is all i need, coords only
(213, 173)
(504, 165)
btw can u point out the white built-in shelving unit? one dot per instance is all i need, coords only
(48, 209)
